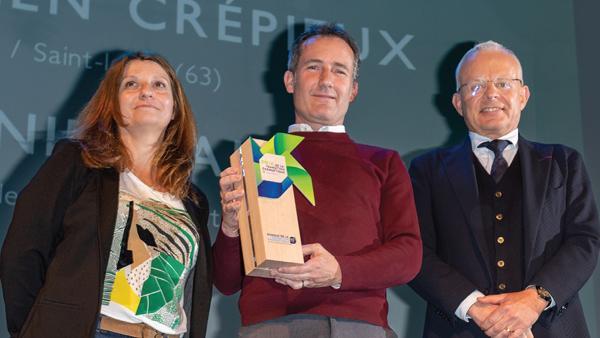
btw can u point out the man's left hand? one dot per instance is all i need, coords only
(321, 270)
(517, 311)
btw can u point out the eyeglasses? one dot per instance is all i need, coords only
(477, 87)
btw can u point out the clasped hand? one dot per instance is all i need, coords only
(508, 314)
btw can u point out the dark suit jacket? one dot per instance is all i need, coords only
(56, 251)
(561, 235)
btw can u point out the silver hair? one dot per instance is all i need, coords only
(483, 46)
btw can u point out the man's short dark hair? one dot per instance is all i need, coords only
(323, 30)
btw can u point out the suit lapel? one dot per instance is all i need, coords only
(109, 201)
(458, 163)
(535, 171)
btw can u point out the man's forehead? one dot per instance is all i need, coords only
(491, 61)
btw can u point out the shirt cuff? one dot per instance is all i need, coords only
(465, 305)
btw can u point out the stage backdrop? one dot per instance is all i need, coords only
(231, 55)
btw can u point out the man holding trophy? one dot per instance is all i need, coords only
(359, 228)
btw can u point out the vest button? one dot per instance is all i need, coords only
(499, 217)
(498, 194)
(500, 240)
(500, 263)
(501, 286)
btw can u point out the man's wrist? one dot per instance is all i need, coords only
(543, 295)
(230, 232)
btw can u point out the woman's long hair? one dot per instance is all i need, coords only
(99, 121)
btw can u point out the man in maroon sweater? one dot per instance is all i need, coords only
(363, 233)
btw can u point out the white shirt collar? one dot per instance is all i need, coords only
(298, 127)
(486, 156)
(477, 139)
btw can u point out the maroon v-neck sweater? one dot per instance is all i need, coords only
(364, 215)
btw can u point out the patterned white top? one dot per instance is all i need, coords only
(154, 247)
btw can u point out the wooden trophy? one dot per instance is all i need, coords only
(269, 231)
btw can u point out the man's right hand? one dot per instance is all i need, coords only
(232, 192)
(480, 311)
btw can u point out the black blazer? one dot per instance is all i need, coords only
(561, 235)
(56, 251)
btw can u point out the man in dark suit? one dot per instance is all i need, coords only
(510, 228)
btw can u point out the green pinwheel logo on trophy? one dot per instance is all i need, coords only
(276, 169)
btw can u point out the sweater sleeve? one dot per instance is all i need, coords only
(398, 259)
(227, 263)
(36, 230)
